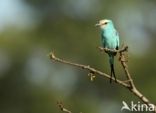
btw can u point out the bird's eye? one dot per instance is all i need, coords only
(106, 22)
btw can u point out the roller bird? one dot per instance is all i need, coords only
(110, 40)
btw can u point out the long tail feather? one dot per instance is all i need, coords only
(112, 73)
(111, 61)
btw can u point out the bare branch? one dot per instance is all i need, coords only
(128, 84)
(62, 108)
(125, 67)
(123, 62)
(129, 80)
(123, 49)
(86, 67)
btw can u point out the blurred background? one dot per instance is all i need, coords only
(30, 29)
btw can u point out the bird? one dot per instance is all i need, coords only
(110, 40)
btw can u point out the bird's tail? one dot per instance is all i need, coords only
(111, 61)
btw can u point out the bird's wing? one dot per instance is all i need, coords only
(103, 40)
(117, 39)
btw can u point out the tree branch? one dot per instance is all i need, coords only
(62, 108)
(123, 49)
(132, 87)
(128, 84)
(86, 67)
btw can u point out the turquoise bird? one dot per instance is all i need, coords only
(110, 40)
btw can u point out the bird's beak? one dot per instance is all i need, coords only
(96, 25)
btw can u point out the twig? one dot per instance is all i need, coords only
(86, 67)
(62, 108)
(125, 67)
(129, 80)
(123, 62)
(123, 49)
(128, 85)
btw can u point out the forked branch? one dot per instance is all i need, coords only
(128, 84)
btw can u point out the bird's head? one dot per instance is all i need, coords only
(105, 23)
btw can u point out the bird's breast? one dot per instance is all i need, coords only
(109, 40)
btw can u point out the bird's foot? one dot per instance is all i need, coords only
(106, 50)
